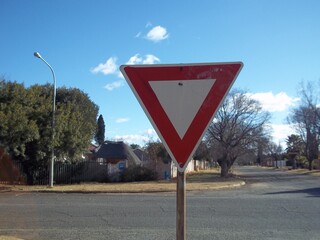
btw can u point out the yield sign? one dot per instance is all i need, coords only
(181, 100)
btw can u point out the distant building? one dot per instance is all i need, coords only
(89, 155)
(143, 157)
(118, 156)
(166, 171)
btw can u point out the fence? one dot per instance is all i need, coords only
(86, 171)
(64, 173)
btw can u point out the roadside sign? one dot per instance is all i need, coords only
(180, 100)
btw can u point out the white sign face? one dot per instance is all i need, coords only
(181, 100)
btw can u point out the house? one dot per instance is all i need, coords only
(167, 170)
(89, 155)
(143, 157)
(162, 169)
(118, 156)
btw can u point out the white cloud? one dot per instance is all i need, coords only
(122, 120)
(141, 139)
(133, 138)
(114, 85)
(281, 132)
(157, 34)
(150, 59)
(147, 59)
(274, 102)
(150, 131)
(136, 59)
(109, 67)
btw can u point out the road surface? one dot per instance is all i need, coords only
(273, 205)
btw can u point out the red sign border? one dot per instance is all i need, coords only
(138, 78)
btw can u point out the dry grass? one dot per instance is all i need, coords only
(9, 238)
(306, 171)
(302, 171)
(202, 180)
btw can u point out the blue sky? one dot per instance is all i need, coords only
(86, 41)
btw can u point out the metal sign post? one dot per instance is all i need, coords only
(181, 225)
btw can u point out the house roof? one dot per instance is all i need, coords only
(116, 150)
(142, 155)
(92, 147)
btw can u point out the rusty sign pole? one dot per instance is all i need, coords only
(181, 206)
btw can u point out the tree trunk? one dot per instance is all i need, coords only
(292, 158)
(294, 163)
(310, 165)
(224, 168)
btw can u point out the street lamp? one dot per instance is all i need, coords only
(36, 54)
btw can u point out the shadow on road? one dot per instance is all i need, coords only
(313, 192)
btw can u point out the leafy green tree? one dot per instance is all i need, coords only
(16, 127)
(25, 124)
(294, 148)
(135, 146)
(76, 123)
(100, 134)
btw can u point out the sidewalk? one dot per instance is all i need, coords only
(199, 181)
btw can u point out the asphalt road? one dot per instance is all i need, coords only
(273, 205)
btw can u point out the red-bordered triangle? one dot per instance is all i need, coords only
(155, 86)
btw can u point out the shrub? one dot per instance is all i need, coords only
(9, 171)
(137, 174)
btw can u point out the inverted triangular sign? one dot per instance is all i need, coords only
(180, 100)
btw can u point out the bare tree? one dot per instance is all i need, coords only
(267, 150)
(236, 129)
(275, 152)
(202, 152)
(306, 119)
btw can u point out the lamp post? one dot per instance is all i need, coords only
(36, 54)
